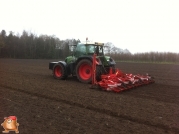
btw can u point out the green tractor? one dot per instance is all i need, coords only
(79, 64)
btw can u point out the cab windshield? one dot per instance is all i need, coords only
(91, 49)
(88, 49)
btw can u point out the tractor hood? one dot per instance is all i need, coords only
(70, 59)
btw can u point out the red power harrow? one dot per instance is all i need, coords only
(119, 81)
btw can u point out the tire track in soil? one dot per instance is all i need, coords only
(102, 111)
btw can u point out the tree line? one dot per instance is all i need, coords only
(156, 57)
(30, 46)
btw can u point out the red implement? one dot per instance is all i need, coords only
(120, 81)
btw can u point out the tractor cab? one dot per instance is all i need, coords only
(83, 49)
(86, 50)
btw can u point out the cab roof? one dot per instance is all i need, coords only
(92, 43)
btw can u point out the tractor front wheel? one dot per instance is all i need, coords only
(59, 72)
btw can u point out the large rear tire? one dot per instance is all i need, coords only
(84, 71)
(59, 72)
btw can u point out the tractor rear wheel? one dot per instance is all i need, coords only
(59, 72)
(84, 71)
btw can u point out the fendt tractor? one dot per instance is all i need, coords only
(80, 63)
(89, 64)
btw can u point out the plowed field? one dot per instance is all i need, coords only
(45, 105)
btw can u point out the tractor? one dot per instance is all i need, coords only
(80, 63)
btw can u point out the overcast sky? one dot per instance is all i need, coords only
(138, 25)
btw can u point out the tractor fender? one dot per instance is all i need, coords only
(111, 61)
(84, 57)
(90, 58)
(51, 64)
(63, 63)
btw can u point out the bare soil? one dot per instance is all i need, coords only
(43, 104)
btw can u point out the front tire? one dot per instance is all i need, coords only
(59, 72)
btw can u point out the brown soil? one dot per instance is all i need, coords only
(45, 105)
